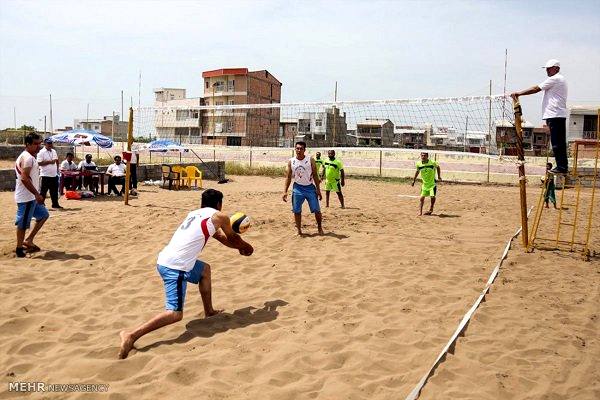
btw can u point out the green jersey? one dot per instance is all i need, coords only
(427, 170)
(319, 162)
(333, 170)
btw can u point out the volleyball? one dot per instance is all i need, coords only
(240, 222)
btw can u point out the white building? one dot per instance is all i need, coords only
(175, 121)
(583, 122)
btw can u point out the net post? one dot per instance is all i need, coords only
(129, 143)
(522, 181)
(586, 249)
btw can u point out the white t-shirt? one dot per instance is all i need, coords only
(554, 104)
(116, 170)
(50, 170)
(65, 166)
(83, 165)
(188, 240)
(22, 194)
(302, 171)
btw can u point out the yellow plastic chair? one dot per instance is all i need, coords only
(193, 174)
(181, 171)
(168, 175)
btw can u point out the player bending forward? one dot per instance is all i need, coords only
(177, 264)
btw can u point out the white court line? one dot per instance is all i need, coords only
(409, 196)
(463, 323)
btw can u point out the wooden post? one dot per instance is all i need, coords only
(129, 143)
(380, 161)
(488, 171)
(522, 180)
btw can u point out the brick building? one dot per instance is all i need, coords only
(240, 127)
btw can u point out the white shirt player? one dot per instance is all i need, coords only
(188, 240)
(302, 171)
(22, 194)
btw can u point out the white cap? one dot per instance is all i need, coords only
(552, 63)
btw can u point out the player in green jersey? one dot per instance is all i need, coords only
(335, 178)
(427, 168)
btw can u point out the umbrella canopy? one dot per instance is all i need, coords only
(85, 137)
(163, 145)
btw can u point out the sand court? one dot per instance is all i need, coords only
(359, 313)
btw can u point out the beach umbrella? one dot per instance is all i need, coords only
(83, 137)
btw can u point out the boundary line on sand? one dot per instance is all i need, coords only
(414, 394)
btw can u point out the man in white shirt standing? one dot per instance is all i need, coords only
(47, 159)
(116, 176)
(554, 111)
(303, 171)
(30, 203)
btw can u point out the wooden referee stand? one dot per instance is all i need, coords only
(567, 203)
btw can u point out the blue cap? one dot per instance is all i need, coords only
(48, 140)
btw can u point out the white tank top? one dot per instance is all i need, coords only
(302, 171)
(22, 194)
(188, 240)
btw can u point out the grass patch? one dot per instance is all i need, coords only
(234, 168)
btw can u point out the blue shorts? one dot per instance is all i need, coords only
(175, 282)
(305, 192)
(28, 210)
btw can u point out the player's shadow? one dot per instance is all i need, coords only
(63, 255)
(208, 327)
(448, 216)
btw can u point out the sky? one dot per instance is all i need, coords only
(86, 52)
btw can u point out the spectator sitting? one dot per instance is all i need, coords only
(90, 181)
(116, 176)
(70, 182)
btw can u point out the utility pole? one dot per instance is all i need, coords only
(465, 138)
(87, 116)
(490, 121)
(122, 116)
(112, 128)
(334, 112)
(15, 117)
(51, 122)
(44, 124)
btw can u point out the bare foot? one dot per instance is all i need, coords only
(428, 212)
(211, 313)
(126, 344)
(30, 247)
(321, 231)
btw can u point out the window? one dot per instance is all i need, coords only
(234, 141)
(206, 82)
(229, 126)
(318, 122)
(231, 102)
(181, 115)
(219, 103)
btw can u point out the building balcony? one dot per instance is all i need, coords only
(223, 91)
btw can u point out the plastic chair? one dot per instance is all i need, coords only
(169, 175)
(193, 174)
(178, 169)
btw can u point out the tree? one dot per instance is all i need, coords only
(27, 128)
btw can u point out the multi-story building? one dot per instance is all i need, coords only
(583, 122)
(288, 128)
(506, 137)
(109, 125)
(177, 117)
(235, 127)
(322, 128)
(411, 137)
(375, 132)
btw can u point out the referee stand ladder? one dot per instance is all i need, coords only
(571, 230)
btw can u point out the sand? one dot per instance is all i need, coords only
(360, 313)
